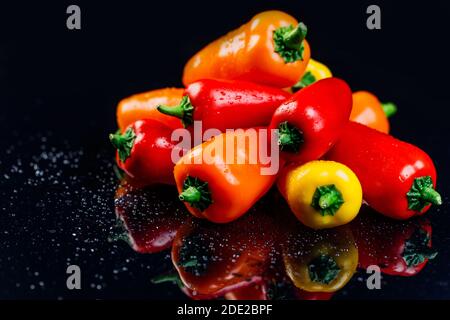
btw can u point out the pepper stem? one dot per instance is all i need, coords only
(288, 42)
(183, 111)
(389, 109)
(418, 249)
(432, 196)
(123, 143)
(174, 278)
(422, 194)
(191, 194)
(289, 137)
(327, 200)
(196, 193)
(307, 79)
(294, 38)
(323, 269)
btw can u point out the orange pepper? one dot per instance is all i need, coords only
(368, 110)
(143, 106)
(223, 189)
(270, 49)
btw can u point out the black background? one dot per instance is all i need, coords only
(59, 89)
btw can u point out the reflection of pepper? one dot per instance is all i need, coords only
(401, 249)
(144, 152)
(320, 261)
(255, 291)
(222, 189)
(312, 119)
(322, 194)
(397, 178)
(143, 106)
(150, 227)
(222, 104)
(315, 71)
(269, 49)
(368, 110)
(274, 289)
(214, 259)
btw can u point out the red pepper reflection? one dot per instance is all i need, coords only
(150, 219)
(213, 259)
(398, 248)
(267, 254)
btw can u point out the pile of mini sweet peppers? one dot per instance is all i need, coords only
(334, 145)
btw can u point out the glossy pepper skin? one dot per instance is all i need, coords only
(321, 194)
(210, 268)
(400, 249)
(223, 104)
(315, 71)
(148, 229)
(143, 106)
(144, 152)
(368, 110)
(311, 121)
(221, 190)
(397, 178)
(320, 261)
(270, 49)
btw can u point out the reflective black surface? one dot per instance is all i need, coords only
(58, 92)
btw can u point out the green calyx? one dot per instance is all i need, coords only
(183, 111)
(123, 143)
(422, 194)
(417, 249)
(305, 81)
(289, 42)
(327, 200)
(389, 109)
(196, 193)
(323, 269)
(289, 137)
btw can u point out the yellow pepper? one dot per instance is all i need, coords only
(315, 71)
(322, 194)
(321, 261)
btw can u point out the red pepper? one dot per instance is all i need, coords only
(148, 229)
(401, 249)
(397, 178)
(223, 104)
(144, 152)
(311, 120)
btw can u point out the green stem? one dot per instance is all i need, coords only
(323, 269)
(389, 109)
(294, 38)
(165, 278)
(174, 278)
(327, 200)
(123, 143)
(196, 193)
(191, 194)
(422, 193)
(307, 79)
(432, 196)
(288, 42)
(183, 111)
(289, 137)
(418, 248)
